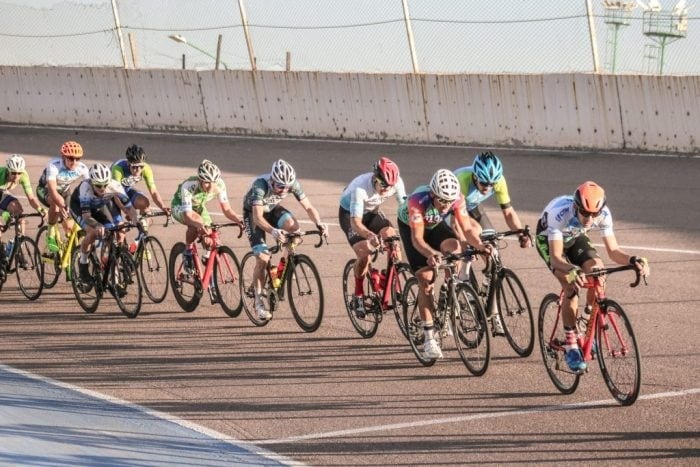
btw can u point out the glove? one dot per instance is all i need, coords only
(278, 234)
(572, 275)
(641, 261)
(323, 228)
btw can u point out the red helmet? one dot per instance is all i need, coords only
(589, 197)
(71, 149)
(387, 171)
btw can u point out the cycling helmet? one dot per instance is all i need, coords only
(387, 171)
(589, 196)
(72, 149)
(135, 154)
(208, 172)
(487, 168)
(282, 173)
(100, 174)
(445, 185)
(15, 163)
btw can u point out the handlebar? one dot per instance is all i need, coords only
(491, 236)
(611, 270)
(300, 234)
(217, 227)
(450, 259)
(16, 217)
(157, 214)
(385, 244)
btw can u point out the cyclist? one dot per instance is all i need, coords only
(478, 182)
(263, 214)
(54, 188)
(133, 169)
(14, 173)
(98, 203)
(189, 206)
(426, 237)
(363, 221)
(563, 243)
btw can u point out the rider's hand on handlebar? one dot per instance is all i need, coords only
(575, 277)
(374, 240)
(324, 229)
(641, 263)
(279, 235)
(434, 260)
(525, 241)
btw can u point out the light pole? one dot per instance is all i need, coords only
(183, 40)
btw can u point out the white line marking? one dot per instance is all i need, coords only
(466, 418)
(663, 250)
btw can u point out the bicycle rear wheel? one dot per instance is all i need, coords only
(551, 336)
(516, 314)
(28, 268)
(305, 293)
(403, 273)
(367, 326)
(187, 288)
(247, 279)
(51, 261)
(88, 293)
(618, 355)
(153, 269)
(470, 329)
(414, 323)
(125, 281)
(226, 282)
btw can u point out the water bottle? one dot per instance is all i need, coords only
(442, 297)
(382, 279)
(133, 246)
(375, 278)
(273, 275)
(8, 248)
(280, 267)
(187, 259)
(485, 284)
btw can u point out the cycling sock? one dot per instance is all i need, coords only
(570, 342)
(359, 286)
(428, 329)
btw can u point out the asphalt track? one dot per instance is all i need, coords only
(208, 386)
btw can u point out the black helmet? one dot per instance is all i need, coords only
(135, 154)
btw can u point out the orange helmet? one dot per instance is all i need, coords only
(589, 197)
(72, 149)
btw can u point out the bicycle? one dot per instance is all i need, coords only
(150, 258)
(608, 336)
(297, 274)
(503, 295)
(219, 276)
(458, 312)
(378, 297)
(23, 259)
(113, 270)
(54, 263)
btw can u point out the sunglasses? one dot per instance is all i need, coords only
(484, 184)
(443, 202)
(71, 158)
(588, 214)
(101, 186)
(382, 183)
(16, 173)
(136, 166)
(278, 187)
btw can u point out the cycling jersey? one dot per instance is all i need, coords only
(64, 177)
(122, 173)
(6, 185)
(190, 197)
(472, 194)
(88, 200)
(419, 209)
(262, 194)
(360, 197)
(560, 222)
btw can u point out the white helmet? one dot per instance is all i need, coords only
(100, 174)
(208, 172)
(282, 173)
(445, 185)
(15, 163)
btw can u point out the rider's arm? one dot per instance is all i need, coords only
(614, 251)
(310, 211)
(556, 256)
(259, 220)
(151, 186)
(512, 218)
(357, 205)
(230, 213)
(29, 193)
(417, 232)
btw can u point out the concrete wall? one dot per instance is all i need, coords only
(567, 110)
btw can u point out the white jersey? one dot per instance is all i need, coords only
(64, 177)
(360, 197)
(560, 222)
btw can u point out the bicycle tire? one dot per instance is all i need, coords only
(470, 330)
(550, 329)
(401, 276)
(515, 312)
(51, 262)
(153, 269)
(125, 282)
(303, 285)
(247, 293)
(414, 323)
(227, 282)
(187, 288)
(88, 294)
(617, 352)
(28, 268)
(367, 326)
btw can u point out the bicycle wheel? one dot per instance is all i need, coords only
(470, 329)
(187, 288)
(516, 314)
(403, 273)
(153, 269)
(226, 282)
(28, 268)
(367, 326)
(247, 291)
(51, 261)
(305, 293)
(88, 293)
(618, 355)
(551, 336)
(126, 283)
(414, 323)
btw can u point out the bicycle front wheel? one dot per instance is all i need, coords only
(414, 323)
(126, 283)
(305, 293)
(618, 355)
(551, 336)
(365, 326)
(247, 289)
(471, 330)
(88, 292)
(516, 314)
(401, 276)
(28, 268)
(153, 269)
(51, 261)
(226, 282)
(187, 288)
